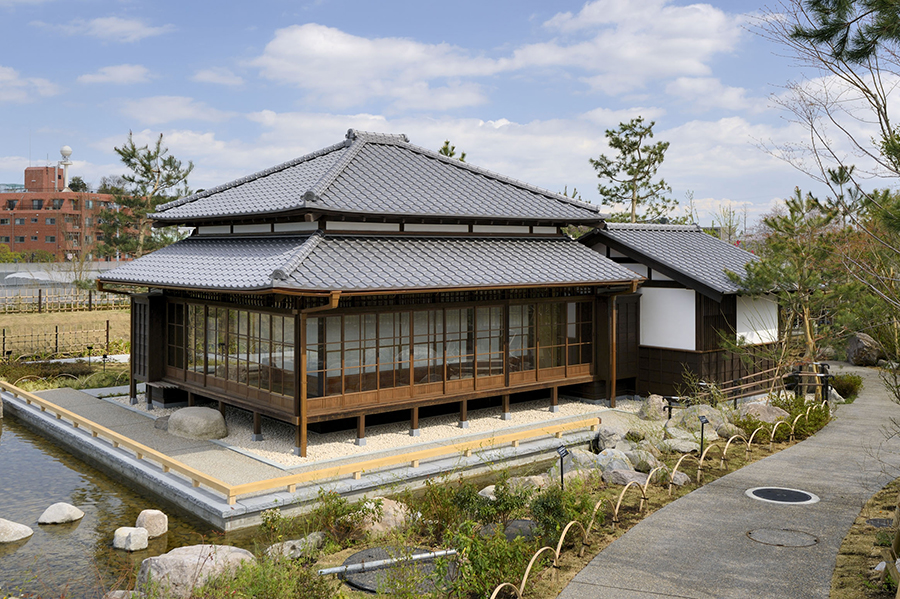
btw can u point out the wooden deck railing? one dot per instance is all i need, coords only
(290, 482)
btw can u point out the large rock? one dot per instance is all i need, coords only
(643, 461)
(681, 479)
(607, 438)
(763, 412)
(198, 423)
(534, 483)
(652, 408)
(862, 350)
(129, 538)
(10, 532)
(673, 432)
(728, 430)
(394, 515)
(514, 529)
(689, 418)
(60, 513)
(121, 595)
(623, 477)
(298, 548)
(180, 570)
(678, 446)
(156, 522)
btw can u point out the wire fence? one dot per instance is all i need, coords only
(25, 301)
(60, 341)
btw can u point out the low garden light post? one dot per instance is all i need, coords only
(563, 452)
(90, 349)
(703, 422)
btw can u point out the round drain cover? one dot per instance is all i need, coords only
(782, 537)
(423, 572)
(880, 522)
(782, 495)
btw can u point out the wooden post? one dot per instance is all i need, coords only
(506, 415)
(90, 300)
(554, 399)
(613, 335)
(257, 427)
(463, 414)
(222, 407)
(107, 337)
(40, 301)
(192, 399)
(414, 422)
(361, 430)
(301, 388)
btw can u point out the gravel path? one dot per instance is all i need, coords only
(278, 437)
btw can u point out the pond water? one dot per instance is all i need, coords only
(76, 560)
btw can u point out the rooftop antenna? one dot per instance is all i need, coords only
(65, 152)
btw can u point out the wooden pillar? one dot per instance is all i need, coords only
(464, 414)
(257, 427)
(301, 388)
(613, 335)
(192, 399)
(361, 430)
(506, 415)
(554, 399)
(222, 407)
(414, 422)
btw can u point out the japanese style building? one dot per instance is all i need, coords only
(375, 276)
(688, 305)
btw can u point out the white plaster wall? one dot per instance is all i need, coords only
(658, 276)
(757, 320)
(668, 318)
(640, 269)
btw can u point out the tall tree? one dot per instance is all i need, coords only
(153, 177)
(78, 184)
(794, 264)
(628, 176)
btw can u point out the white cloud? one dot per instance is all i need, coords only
(345, 70)
(219, 76)
(15, 88)
(705, 93)
(165, 109)
(112, 29)
(122, 74)
(632, 43)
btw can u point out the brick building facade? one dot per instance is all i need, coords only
(43, 217)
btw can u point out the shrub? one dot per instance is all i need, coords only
(485, 562)
(847, 385)
(340, 519)
(269, 579)
(553, 508)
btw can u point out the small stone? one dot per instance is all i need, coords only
(60, 513)
(728, 430)
(155, 521)
(179, 571)
(161, 423)
(681, 479)
(198, 423)
(394, 515)
(298, 548)
(130, 538)
(10, 531)
(121, 595)
(607, 437)
(863, 350)
(643, 461)
(488, 492)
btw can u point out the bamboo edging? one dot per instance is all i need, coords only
(231, 492)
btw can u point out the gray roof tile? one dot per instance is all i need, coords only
(685, 249)
(368, 263)
(371, 173)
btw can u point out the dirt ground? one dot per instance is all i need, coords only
(854, 574)
(16, 324)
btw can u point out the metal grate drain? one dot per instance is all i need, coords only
(782, 537)
(880, 522)
(782, 495)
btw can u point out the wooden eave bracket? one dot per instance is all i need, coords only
(333, 300)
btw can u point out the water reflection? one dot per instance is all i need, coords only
(76, 560)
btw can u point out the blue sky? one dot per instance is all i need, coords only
(526, 88)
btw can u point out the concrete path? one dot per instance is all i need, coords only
(698, 546)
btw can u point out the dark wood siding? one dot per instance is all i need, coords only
(715, 320)
(628, 337)
(148, 336)
(662, 370)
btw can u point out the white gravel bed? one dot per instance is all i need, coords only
(278, 437)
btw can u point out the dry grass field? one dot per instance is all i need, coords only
(32, 334)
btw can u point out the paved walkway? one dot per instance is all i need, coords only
(698, 546)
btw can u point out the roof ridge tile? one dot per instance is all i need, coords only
(293, 263)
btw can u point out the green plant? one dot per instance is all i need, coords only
(340, 519)
(554, 507)
(486, 561)
(268, 579)
(847, 386)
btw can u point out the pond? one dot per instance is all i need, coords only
(76, 560)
